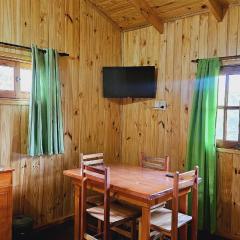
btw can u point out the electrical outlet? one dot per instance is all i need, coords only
(161, 105)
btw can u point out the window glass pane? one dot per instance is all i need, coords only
(6, 78)
(232, 125)
(234, 90)
(221, 90)
(26, 80)
(219, 129)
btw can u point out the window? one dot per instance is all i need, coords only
(228, 130)
(15, 79)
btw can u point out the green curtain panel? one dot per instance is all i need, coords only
(201, 143)
(45, 114)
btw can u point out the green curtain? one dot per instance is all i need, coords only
(45, 114)
(201, 143)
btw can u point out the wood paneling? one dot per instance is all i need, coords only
(91, 123)
(228, 194)
(160, 133)
(143, 128)
(94, 124)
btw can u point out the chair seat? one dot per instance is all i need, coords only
(158, 206)
(162, 218)
(118, 213)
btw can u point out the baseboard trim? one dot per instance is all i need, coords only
(54, 223)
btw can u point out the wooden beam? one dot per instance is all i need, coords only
(149, 14)
(217, 9)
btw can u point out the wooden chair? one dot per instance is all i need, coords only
(166, 221)
(157, 163)
(95, 159)
(111, 215)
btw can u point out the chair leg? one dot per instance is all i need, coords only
(139, 229)
(110, 237)
(99, 226)
(133, 230)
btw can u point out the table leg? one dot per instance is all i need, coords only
(145, 223)
(183, 208)
(77, 212)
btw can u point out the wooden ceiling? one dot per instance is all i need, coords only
(131, 14)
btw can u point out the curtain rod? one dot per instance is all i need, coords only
(28, 48)
(221, 58)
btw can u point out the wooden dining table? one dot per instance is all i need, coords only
(142, 187)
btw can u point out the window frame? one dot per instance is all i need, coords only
(16, 93)
(224, 143)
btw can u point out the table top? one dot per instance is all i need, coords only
(141, 182)
(4, 169)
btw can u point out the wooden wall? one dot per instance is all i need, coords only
(229, 194)
(165, 132)
(90, 122)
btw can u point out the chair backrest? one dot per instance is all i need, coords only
(157, 163)
(91, 159)
(180, 181)
(98, 175)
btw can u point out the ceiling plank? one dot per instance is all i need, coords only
(149, 14)
(217, 9)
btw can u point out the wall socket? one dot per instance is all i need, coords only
(160, 105)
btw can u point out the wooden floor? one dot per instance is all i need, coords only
(59, 232)
(65, 232)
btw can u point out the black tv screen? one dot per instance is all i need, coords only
(134, 82)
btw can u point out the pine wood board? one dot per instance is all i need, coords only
(72, 26)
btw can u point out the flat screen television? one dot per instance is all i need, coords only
(134, 82)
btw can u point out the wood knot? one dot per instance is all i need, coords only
(76, 112)
(68, 134)
(69, 17)
(161, 123)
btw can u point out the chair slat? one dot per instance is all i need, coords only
(186, 179)
(157, 163)
(92, 156)
(89, 237)
(94, 169)
(155, 159)
(185, 175)
(93, 162)
(153, 165)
